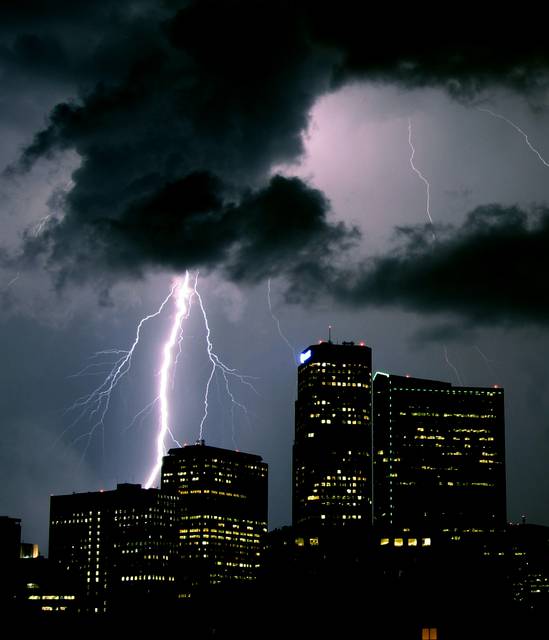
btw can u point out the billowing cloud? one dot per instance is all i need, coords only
(490, 270)
(182, 109)
(191, 223)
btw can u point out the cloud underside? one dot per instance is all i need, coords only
(183, 110)
(491, 270)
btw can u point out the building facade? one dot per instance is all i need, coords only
(114, 548)
(332, 466)
(439, 457)
(222, 514)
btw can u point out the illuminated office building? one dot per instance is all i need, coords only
(115, 548)
(332, 479)
(222, 514)
(439, 456)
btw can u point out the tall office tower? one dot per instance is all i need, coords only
(439, 456)
(114, 547)
(332, 479)
(222, 517)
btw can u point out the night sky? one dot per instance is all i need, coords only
(256, 142)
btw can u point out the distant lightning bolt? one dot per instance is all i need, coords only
(39, 226)
(421, 177)
(13, 281)
(428, 212)
(277, 321)
(517, 128)
(452, 366)
(486, 359)
(183, 295)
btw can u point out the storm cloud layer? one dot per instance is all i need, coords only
(181, 111)
(492, 269)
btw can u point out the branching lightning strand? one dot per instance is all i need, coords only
(515, 126)
(277, 322)
(226, 372)
(452, 366)
(421, 177)
(98, 401)
(13, 281)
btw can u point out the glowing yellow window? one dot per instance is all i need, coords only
(429, 633)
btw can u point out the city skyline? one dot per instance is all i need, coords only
(400, 198)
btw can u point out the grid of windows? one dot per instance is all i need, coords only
(332, 447)
(439, 455)
(113, 545)
(222, 513)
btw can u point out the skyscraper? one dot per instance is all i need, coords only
(332, 478)
(222, 514)
(115, 548)
(439, 456)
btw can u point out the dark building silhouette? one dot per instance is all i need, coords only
(520, 554)
(115, 548)
(439, 458)
(332, 467)
(222, 514)
(41, 589)
(10, 538)
(10, 544)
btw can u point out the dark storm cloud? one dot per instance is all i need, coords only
(191, 223)
(491, 270)
(444, 333)
(183, 110)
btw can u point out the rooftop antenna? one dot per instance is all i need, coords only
(329, 334)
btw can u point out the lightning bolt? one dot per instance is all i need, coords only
(12, 281)
(517, 128)
(486, 359)
(117, 363)
(183, 297)
(428, 212)
(277, 322)
(39, 226)
(421, 177)
(452, 366)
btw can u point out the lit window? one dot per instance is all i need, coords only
(399, 542)
(429, 633)
(425, 542)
